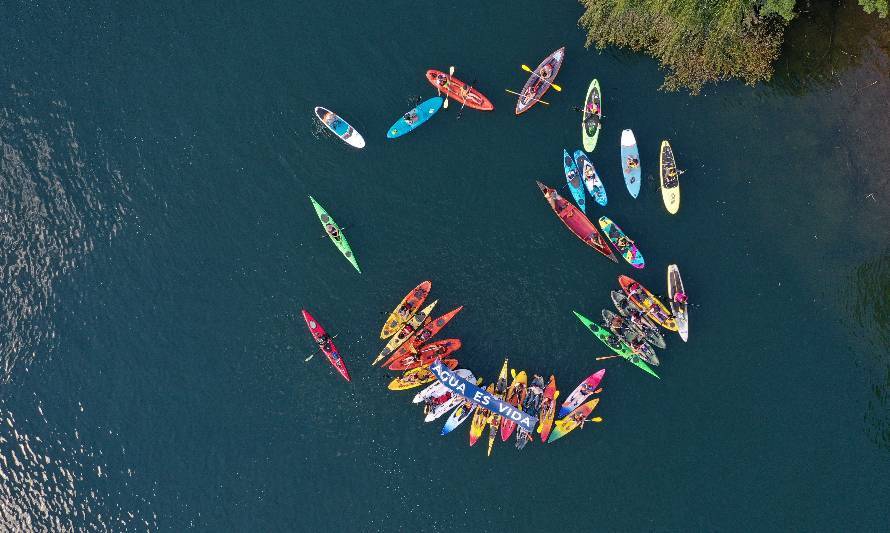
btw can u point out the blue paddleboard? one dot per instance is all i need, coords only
(414, 118)
(632, 176)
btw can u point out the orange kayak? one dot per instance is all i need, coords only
(460, 91)
(426, 354)
(421, 336)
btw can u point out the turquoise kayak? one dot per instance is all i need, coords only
(573, 177)
(414, 118)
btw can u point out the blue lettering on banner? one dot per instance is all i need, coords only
(481, 397)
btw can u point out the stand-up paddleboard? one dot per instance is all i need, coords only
(632, 176)
(591, 116)
(670, 179)
(591, 179)
(679, 309)
(624, 244)
(573, 177)
(414, 118)
(340, 127)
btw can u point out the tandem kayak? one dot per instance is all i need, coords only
(326, 345)
(577, 222)
(573, 177)
(426, 354)
(548, 409)
(614, 343)
(540, 80)
(418, 376)
(575, 419)
(515, 396)
(438, 388)
(591, 179)
(334, 232)
(340, 127)
(670, 178)
(414, 118)
(406, 309)
(581, 392)
(591, 116)
(679, 308)
(648, 303)
(630, 155)
(624, 244)
(421, 336)
(462, 92)
(405, 333)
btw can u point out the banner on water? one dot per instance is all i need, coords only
(481, 397)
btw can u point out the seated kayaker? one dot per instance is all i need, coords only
(333, 231)
(424, 335)
(622, 242)
(587, 389)
(404, 310)
(545, 72)
(637, 345)
(410, 117)
(680, 297)
(442, 80)
(407, 330)
(617, 323)
(632, 162)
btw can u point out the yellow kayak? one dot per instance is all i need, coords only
(405, 310)
(405, 333)
(480, 418)
(418, 376)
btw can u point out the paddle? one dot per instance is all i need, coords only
(470, 86)
(450, 74)
(535, 99)
(607, 357)
(528, 69)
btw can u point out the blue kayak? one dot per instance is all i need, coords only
(629, 152)
(414, 118)
(573, 177)
(591, 178)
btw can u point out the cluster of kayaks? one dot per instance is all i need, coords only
(633, 333)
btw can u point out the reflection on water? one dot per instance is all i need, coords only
(56, 204)
(52, 480)
(872, 312)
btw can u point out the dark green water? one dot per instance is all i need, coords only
(158, 245)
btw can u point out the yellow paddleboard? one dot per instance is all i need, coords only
(670, 179)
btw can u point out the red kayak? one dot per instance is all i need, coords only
(577, 222)
(460, 91)
(418, 339)
(427, 354)
(326, 345)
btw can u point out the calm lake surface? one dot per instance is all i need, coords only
(158, 244)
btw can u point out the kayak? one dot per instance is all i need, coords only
(581, 392)
(418, 376)
(414, 118)
(457, 417)
(591, 116)
(477, 426)
(670, 179)
(500, 390)
(614, 343)
(515, 396)
(574, 420)
(540, 80)
(632, 176)
(340, 127)
(405, 332)
(462, 92)
(647, 303)
(531, 406)
(645, 351)
(442, 408)
(548, 409)
(647, 327)
(427, 354)
(624, 244)
(577, 222)
(406, 309)
(421, 336)
(591, 178)
(438, 388)
(334, 232)
(681, 313)
(573, 177)
(327, 348)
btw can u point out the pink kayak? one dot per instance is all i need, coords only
(581, 392)
(326, 345)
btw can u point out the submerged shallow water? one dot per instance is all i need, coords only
(158, 246)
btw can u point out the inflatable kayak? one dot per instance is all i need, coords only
(408, 329)
(670, 179)
(540, 80)
(577, 222)
(458, 90)
(574, 420)
(591, 116)
(418, 376)
(624, 244)
(426, 354)
(548, 409)
(573, 177)
(581, 392)
(630, 163)
(326, 345)
(421, 336)
(415, 118)
(614, 343)
(515, 396)
(591, 178)
(334, 232)
(406, 309)
(679, 308)
(647, 302)
(340, 127)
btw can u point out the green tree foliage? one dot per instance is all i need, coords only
(697, 41)
(870, 6)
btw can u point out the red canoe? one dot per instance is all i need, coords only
(458, 90)
(421, 336)
(330, 351)
(577, 222)
(427, 354)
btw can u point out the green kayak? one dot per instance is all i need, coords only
(608, 339)
(591, 116)
(335, 233)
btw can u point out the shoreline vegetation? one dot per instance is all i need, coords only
(699, 42)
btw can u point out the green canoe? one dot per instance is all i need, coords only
(591, 116)
(605, 336)
(335, 233)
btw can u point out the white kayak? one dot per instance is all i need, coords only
(438, 388)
